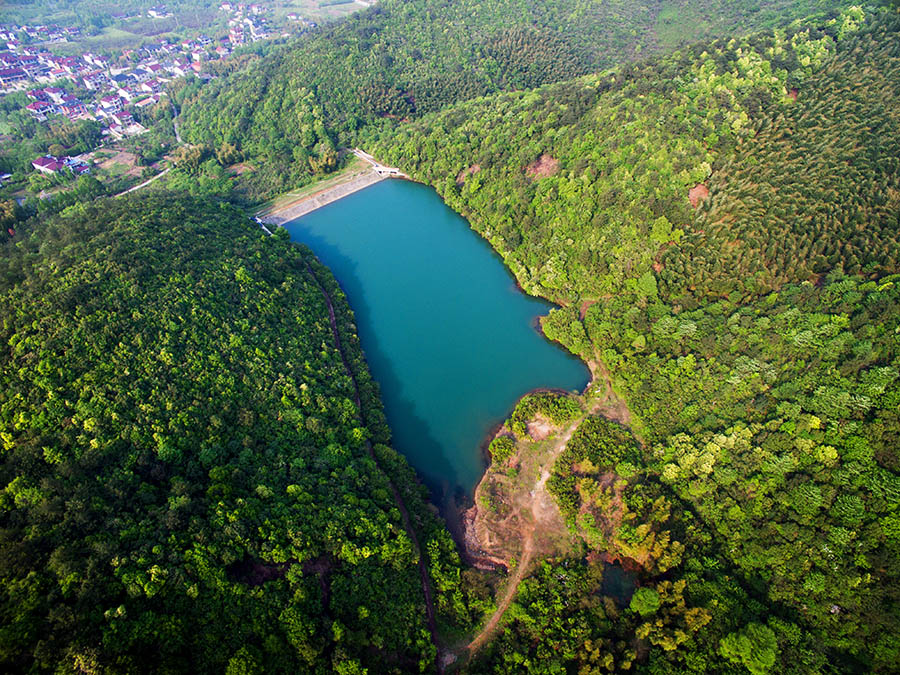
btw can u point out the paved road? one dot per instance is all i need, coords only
(175, 124)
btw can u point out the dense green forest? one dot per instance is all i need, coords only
(292, 108)
(583, 186)
(183, 449)
(754, 338)
(198, 473)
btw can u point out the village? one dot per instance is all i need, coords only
(112, 88)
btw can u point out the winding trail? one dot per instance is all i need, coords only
(541, 501)
(146, 182)
(542, 504)
(512, 588)
(398, 499)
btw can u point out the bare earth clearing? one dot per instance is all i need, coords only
(697, 194)
(127, 159)
(465, 173)
(515, 519)
(544, 166)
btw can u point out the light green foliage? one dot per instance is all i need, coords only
(760, 367)
(501, 449)
(609, 502)
(558, 408)
(645, 601)
(174, 408)
(405, 58)
(627, 149)
(787, 205)
(557, 622)
(754, 646)
(674, 622)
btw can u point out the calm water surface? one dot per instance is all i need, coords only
(447, 335)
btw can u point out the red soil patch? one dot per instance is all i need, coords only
(472, 550)
(697, 194)
(542, 168)
(584, 308)
(794, 93)
(238, 169)
(540, 428)
(465, 173)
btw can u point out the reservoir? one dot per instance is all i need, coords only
(449, 338)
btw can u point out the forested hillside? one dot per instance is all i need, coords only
(816, 188)
(197, 473)
(292, 109)
(189, 484)
(752, 331)
(583, 186)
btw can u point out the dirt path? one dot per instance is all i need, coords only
(512, 588)
(540, 504)
(146, 182)
(543, 511)
(398, 499)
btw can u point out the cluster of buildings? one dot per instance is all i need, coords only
(12, 33)
(110, 108)
(134, 81)
(24, 65)
(54, 101)
(51, 165)
(110, 88)
(246, 23)
(305, 23)
(239, 8)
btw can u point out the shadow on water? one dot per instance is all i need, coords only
(388, 246)
(618, 583)
(411, 435)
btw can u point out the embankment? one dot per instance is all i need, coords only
(304, 205)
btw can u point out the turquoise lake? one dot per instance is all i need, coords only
(450, 339)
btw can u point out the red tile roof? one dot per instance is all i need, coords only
(48, 163)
